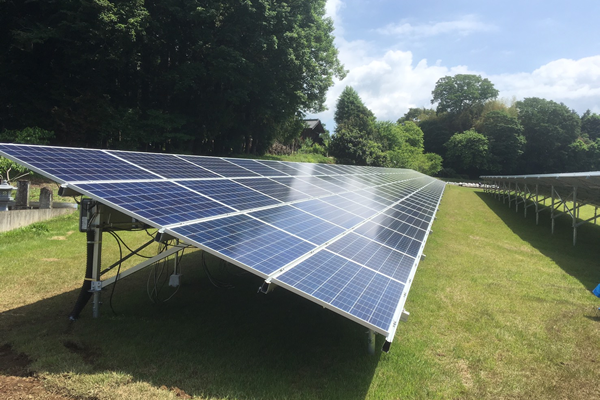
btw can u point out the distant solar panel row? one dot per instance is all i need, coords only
(346, 237)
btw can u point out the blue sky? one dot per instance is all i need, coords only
(395, 51)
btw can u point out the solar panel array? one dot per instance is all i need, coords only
(346, 237)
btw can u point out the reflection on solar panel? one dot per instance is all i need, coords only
(348, 238)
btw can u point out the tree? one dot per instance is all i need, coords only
(506, 141)
(417, 115)
(590, 125)
(459, 93)
(468, 151)
(549, 129)
(350, 111)
(351, 146)
(463, 96)
(194, 76)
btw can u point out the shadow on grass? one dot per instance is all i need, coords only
(206, 341)
(580, 261)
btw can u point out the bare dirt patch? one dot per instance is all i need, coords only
(16, 381)
(62, 237)
(89, 355)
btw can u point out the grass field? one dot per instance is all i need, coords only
(500, 308)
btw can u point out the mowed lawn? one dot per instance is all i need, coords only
(500, 308)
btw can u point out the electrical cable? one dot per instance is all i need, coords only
(118, 271)
(215, 282)
(136, 252)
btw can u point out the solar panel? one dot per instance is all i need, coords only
(346, 237)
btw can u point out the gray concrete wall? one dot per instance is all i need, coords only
(14, 219)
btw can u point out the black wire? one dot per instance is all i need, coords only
(118, 271)
(128, 248)
(216, 283)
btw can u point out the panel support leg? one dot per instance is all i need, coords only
(371, 342)
(96, 265)
(574, 215)
(552, 208)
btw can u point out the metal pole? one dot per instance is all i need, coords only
(371, 342)
(537, 215)
(574, 215)
(552, 208)
(97, 263)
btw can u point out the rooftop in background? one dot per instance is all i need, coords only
(313, 130)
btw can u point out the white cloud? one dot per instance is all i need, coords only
(464, 26)
(390, 82)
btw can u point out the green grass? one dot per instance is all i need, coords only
(500, 308)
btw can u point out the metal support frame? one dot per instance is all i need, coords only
(97, 261)
(524, 195)
(371, 342)
(98, 225)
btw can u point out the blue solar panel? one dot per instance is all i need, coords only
(248, 241)
(390, 238)
(231, 193)
(220, 166)
(166, 165)
(299, 223)
(273, 189)
(68, 164)
(374, 255)
(349, 237)
(256, 167)
(330, 213)
(346, 286)
(161, 203)
(303, 186)
(279, 166)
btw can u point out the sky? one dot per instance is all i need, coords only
(396, 50)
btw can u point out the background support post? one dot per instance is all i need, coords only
(97, 263)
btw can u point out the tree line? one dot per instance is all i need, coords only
(477, 134)
(469, 133)
(203, 77)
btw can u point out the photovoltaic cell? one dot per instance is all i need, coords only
(273, 189)
(69, 164)
(371, 254)
(342, 284)
(166, 165)
(161, 203)
(248, 241)
(286, 169)
(219, 166)
(330, 213)
(256, 167)
(303, 187)
(231, 193)
(390, 238)
(306, 226)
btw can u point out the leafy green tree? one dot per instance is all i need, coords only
(463, 96)
(549, 129)
(468, 151)
(194, 76)
(417, 115)
(350, 111)
(590, 125)
(459, 93)
(351, 146)
(436, 132)
(506, 141)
